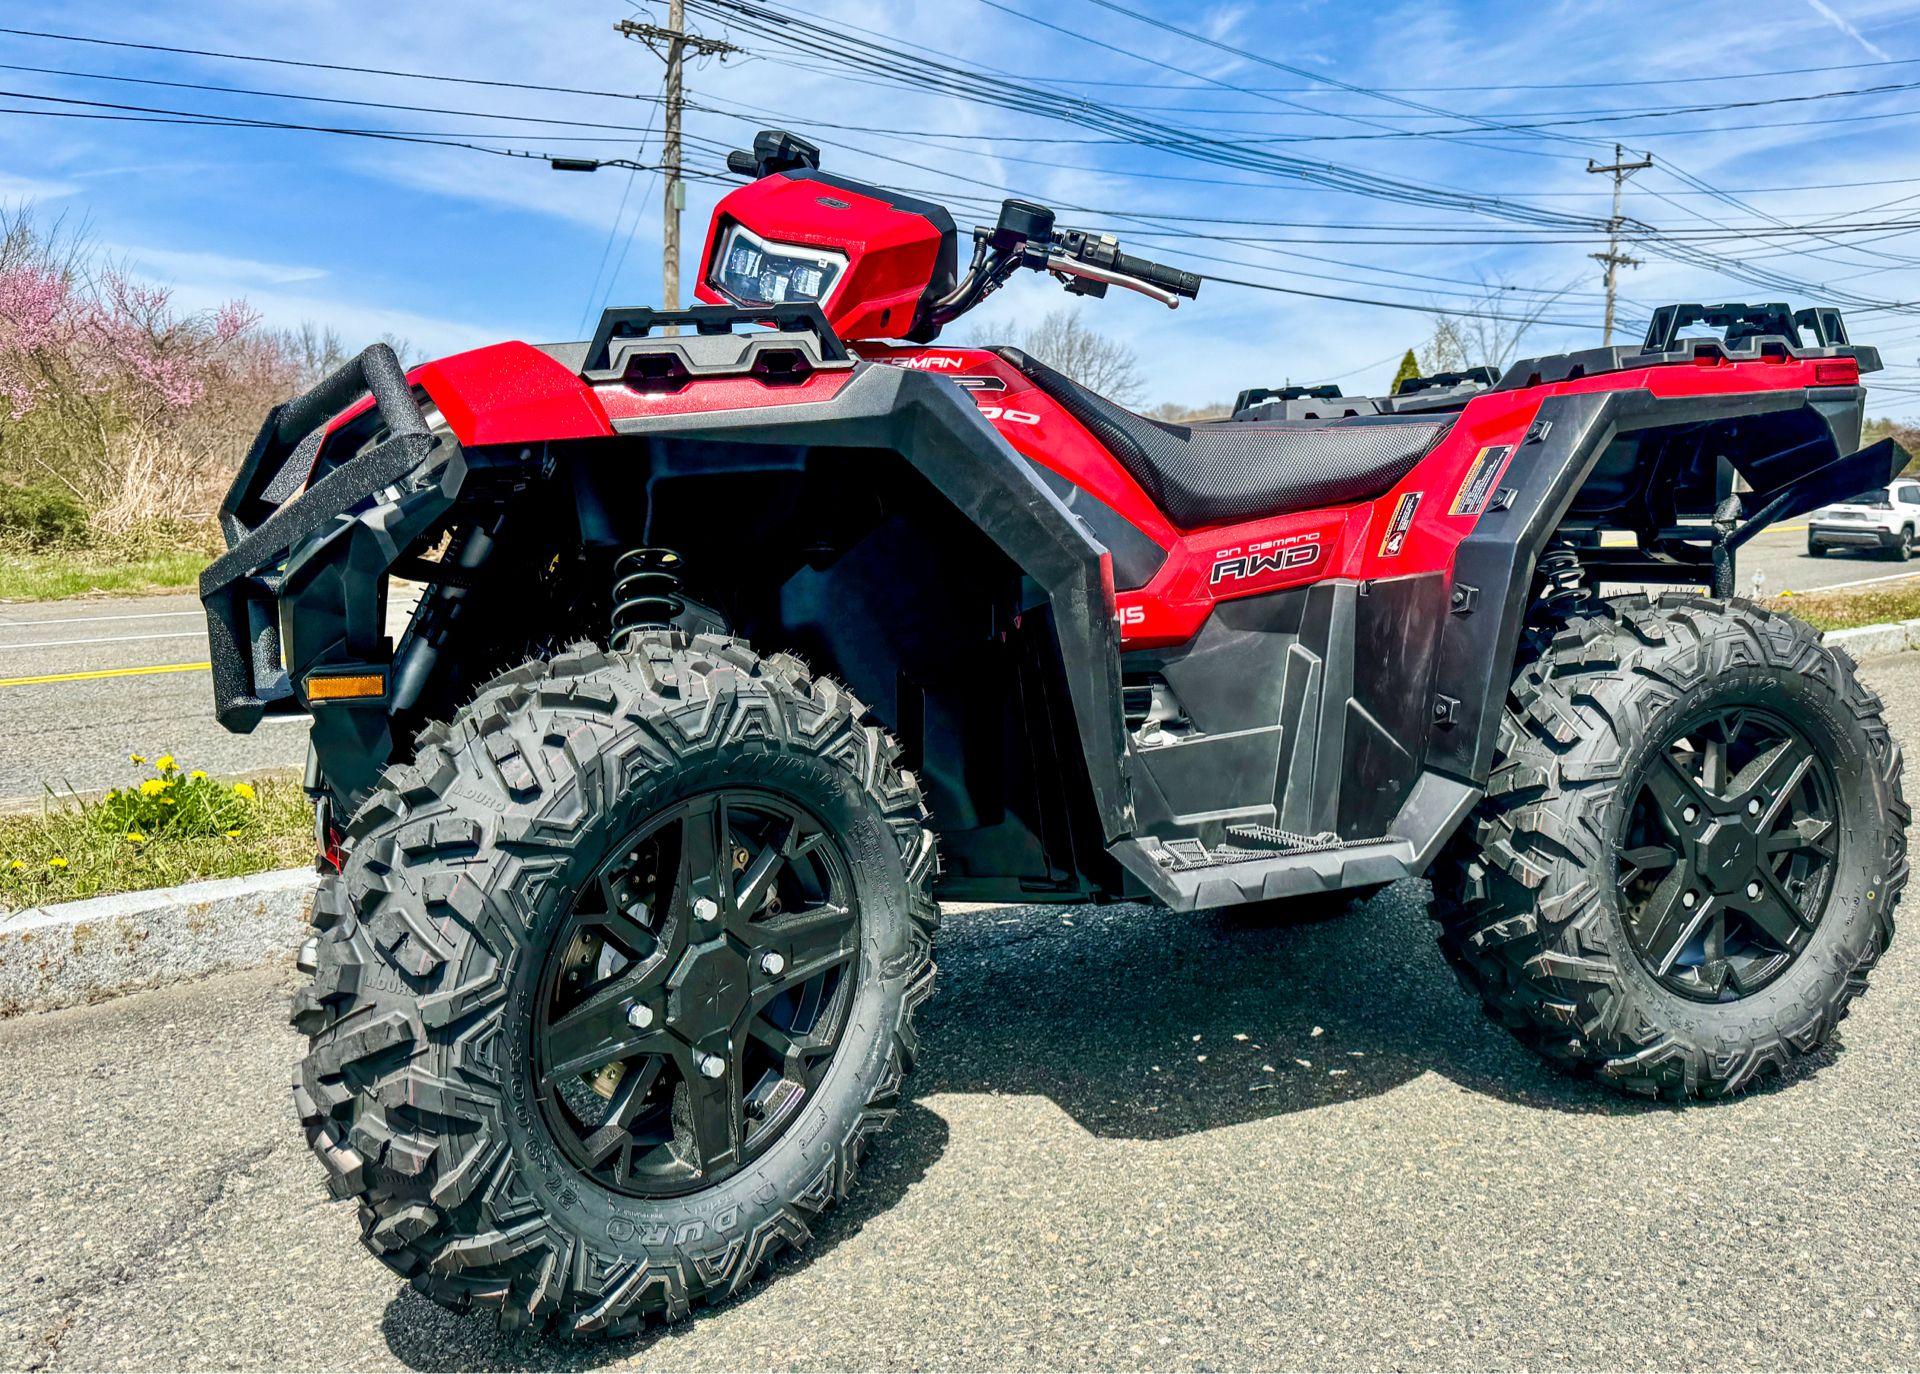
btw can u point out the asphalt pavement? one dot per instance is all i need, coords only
(1136, 1139)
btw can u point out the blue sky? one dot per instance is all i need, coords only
(452, 248)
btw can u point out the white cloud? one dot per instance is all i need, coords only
(16, 190)
(1833, 17)
(234, 275)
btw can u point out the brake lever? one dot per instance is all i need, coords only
(1060, 265)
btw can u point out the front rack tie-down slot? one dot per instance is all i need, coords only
(261, 526)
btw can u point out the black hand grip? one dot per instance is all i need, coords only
(1167, 278)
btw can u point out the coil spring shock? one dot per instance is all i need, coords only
(646, 594)
(1563, 589)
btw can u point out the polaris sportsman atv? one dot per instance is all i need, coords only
(735, 617)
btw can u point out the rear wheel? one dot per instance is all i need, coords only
(616, 983)
(1815, 549)
(1903, 546)
(1690, 850)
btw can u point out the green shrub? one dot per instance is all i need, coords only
(40, 516)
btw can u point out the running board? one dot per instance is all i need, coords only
(1253, 863)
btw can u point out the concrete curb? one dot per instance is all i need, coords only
(79, 952)
(1868, 640)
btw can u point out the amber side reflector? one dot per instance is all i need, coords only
(1827, 373)
(345, 686)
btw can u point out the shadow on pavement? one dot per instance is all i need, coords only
(1141, 1024)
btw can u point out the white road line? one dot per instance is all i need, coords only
(1862, 582)
(96, 619)
(107, 639)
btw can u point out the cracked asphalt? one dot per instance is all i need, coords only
(1136, 1139)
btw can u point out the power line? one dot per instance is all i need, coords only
(324, 66)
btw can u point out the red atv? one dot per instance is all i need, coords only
(741, 646)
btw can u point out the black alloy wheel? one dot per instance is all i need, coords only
(697, 992)
(1726, 863)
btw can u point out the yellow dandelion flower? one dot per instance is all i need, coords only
(135, 758)
(136, 837)
(152, 787)
(198, 774)
(56, 862)
(242, 789)
(17, 864)
(233, 834)
(164, 762)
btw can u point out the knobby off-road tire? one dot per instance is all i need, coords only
(418, 1092)
(1531, 895)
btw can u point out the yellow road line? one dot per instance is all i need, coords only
(104, 672)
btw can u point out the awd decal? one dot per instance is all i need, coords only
(1232, 564)
(1488, 464)
(1402, 522)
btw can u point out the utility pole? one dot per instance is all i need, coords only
(1614, 259)
(672, 42)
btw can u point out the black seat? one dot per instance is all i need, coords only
(1228, 471)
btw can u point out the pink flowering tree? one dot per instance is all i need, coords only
(140, 410)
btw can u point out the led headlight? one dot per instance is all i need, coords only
(751, 271)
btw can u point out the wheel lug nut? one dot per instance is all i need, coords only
(1690, 815)
(640, 1016)
(712, 1065)
(1753, 889)
(1687, 899)
(705, 908)
(1753, 807)
(772, 963)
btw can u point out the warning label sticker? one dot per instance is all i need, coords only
(1488, 464)
(1402, 522)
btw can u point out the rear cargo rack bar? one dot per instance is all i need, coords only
(241, 588)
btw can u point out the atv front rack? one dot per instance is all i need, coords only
(265, 514)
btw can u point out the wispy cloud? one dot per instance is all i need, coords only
(1839, 21)
(17, 189)
(218, 269)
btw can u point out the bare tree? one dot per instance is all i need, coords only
(1095, 360)
(314, 350)
(1489, 330)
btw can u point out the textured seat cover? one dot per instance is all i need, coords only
(1228, 471)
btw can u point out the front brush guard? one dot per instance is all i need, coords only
(240, 590)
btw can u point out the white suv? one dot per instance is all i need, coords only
(1880, 520)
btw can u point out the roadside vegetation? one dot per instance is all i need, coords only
(168, 826)
(122, 416)
(1888, 603)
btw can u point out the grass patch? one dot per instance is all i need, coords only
(1888, 603)
(165, 556)
(169, 827)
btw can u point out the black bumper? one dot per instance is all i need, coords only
(241, 589)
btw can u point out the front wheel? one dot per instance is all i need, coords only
(1903, 546)
(1690, 850)
(616, 982)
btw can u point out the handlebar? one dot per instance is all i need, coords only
(1087, 262)
(1102, 251)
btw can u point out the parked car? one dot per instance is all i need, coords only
(1878, 521)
